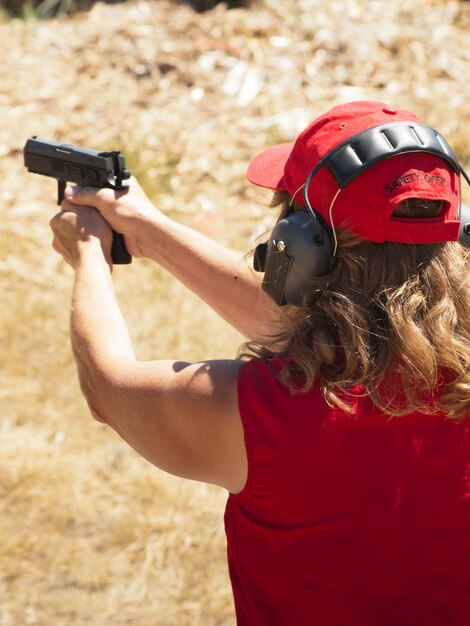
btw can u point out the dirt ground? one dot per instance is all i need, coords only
(90, 534)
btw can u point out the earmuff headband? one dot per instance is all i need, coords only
(357, 153)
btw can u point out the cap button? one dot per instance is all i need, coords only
(390, 110)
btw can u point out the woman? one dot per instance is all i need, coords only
(345, 444)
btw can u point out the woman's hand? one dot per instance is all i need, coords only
(78, 231)
(127, 211)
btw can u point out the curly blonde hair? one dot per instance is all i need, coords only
(393, 318)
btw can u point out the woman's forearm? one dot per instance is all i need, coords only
(218, 275)
(100, 339)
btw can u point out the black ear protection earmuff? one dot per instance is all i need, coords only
(299, 247)
(302, 246)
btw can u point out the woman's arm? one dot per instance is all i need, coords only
(182, 417)
(219, 276)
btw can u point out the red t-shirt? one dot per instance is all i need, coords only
(347, 520)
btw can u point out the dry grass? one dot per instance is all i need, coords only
(90, 533)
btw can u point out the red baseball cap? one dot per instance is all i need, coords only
(365, 205)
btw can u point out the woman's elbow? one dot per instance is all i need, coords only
(96, 397)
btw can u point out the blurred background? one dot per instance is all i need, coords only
(90, 534)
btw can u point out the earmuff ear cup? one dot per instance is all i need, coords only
(464, 232)
(300, 248)
(259, 258)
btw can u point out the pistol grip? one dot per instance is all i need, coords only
(61, 184)
(119, 254)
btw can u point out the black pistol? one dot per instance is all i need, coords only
(87, 168)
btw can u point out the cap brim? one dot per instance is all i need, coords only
(267, 168)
